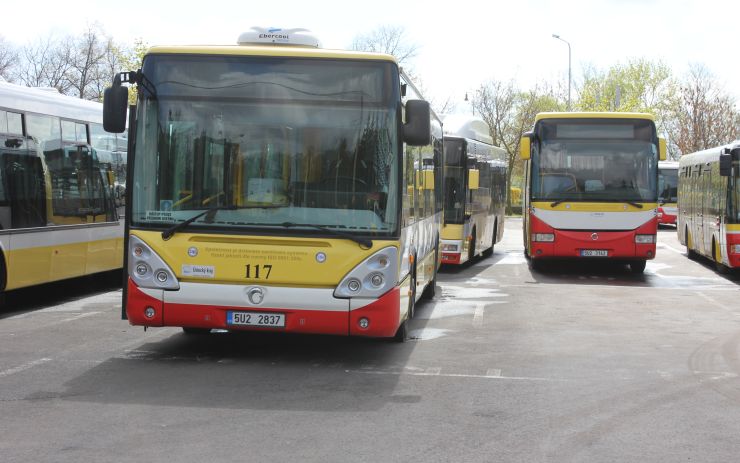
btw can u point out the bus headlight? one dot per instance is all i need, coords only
(447, 247)
(543, 237)
(373, 277)
(735, 249)
(645, 239)
(147, 269)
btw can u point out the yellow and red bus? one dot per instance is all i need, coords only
(667, 192)
(709, 205)
(475, 190)
(591, 187)
(275, 185)
(58, 218)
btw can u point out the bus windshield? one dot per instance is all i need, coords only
(595, 160)
(281, 140)
(455, 169)
(668, 185)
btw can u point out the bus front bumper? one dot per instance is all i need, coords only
(305, 310)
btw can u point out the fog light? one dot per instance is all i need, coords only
(162, 276)
(377, 280)
(539, 251)
(353, 285)
(142, 269)
(149, 312)
(650, 253)
(364, 323)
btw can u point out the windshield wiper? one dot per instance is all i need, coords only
(559, 201)
(637, 205)
(364, 243)
(167, 234)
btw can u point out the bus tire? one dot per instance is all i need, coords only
(402, 334)
(3, 280)
(195, 331)
(690, 253)
(412, 296)
(431, 288)
(717, 257)
(489, 252)
(638, 266)
(471, 247)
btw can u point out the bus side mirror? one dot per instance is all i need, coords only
(525, 147)
(428, 179)
(417, 131)
(115, 102)
(725, 165)
(662, 150)
(473, 179)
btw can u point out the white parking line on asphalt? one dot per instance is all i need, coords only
(451, 375)
(77, 317)
(670, 248)
(478, 315)
(24, 367)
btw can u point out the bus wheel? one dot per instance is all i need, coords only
(412, 296)
(717, 255)
(489, 252)
(195, 331)
(432, 286)
(402, 334)
(690, 253)
(638, 266)
(471, 247)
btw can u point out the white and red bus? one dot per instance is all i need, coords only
(709, 205)
(667, 192)
(279, 186)
(591, 187)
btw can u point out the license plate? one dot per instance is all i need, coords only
(594, 253)
(266, 319)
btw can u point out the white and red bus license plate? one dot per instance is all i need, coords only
(266, 319)
(594, 253)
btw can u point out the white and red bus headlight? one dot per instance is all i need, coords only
(645, 239)
(373, 277)
(147, 269)
(735, 249)
(543, 237)
(448, 247)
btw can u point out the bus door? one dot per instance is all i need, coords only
(707, 209)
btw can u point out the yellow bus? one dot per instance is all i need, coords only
(709, 205)
(591, 187)
(58, 217)
(279, 186)
(475, 190)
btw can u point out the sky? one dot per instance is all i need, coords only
(461, 45)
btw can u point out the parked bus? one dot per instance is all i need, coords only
(58, 219)
(278, 186)
(591, 187)
(709, 205)
(475, 190)
(667, 192)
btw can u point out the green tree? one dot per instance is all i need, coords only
(639, 85)
(129, 59)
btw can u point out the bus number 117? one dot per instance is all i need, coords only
(265, 271)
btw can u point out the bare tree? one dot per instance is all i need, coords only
(44, 63)
(706, 116)
(509, 113)
(387, 39)
(90, 61)
(8, 58)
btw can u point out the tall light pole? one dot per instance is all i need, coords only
(556, 36)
